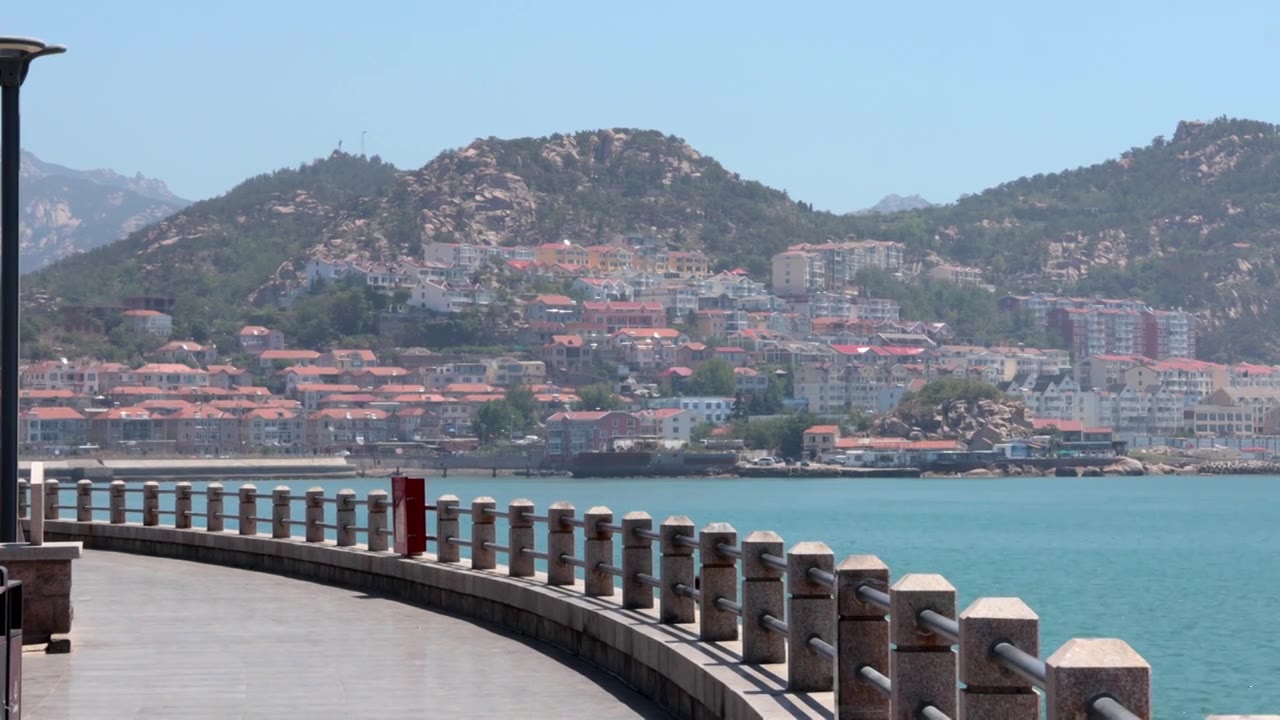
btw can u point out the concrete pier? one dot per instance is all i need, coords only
(160, 638)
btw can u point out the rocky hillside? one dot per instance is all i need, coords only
(1189, 221)
(66, 211)
(893, 203)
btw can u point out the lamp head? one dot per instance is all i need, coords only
(16, 54)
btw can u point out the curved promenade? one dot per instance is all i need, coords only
(162, 638)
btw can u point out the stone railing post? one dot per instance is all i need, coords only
(922, 665)
(116, 502)
(718, 578)
(762, 594)
(346, 515)
(24, 488)
(597, 548)
(377, 540)
(559, 542)
(313, 514)
(181, 505)
(214, 507)
(51, 487)
(811, 613)
(862, 639)
(676, 569)
(520, 537)
(248, 509)
(447, 527)
(1083, 670)
(483, 531)
(637, 559)
(150, 503)
(84, 500)
(280, 512)
(35, 526)
(991, 691)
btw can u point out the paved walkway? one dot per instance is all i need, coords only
(156, 638)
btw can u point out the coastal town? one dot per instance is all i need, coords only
(612, 344)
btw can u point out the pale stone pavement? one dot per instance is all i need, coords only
(157, 638)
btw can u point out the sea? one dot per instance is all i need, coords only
(1185, 569)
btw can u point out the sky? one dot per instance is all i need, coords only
(838, 103)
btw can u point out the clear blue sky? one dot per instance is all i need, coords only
(838, 103)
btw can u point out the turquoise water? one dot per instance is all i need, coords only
(1185, 569)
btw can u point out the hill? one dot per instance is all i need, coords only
(893, 203)
(66, 211)
(1189, 222)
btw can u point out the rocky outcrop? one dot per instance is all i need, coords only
(67, 211)
(957, 420)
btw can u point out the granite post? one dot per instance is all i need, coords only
(559, 543)
(862, 639)
(990, 691)
(181, 503)
(597, 550)
(718, 575)
(763, 593)
(377, 538)
(280, 512)
(520, 538)
(84, 500)
(313, 514)
(248, 509)
(483, 531)
(637, 559)
(35, 525)
(150, 503)
(447, 528)
(811, 614)
(346, 517)
(922, 665)
(676, 569)
(116, 502)
(1083, 670)
(51, 488)
(213, 506)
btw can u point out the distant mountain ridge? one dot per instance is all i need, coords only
(66, 211)
(893, 203)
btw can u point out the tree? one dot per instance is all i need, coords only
(524, 406)
(713, 377)
(597, 397)
(494, 420)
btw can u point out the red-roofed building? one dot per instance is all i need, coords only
(204, 430)
(254, 339)
(128, 426)
(335, 428)
(187, 352)
(171, 376)
(820, 440)
(272, 427)
(306, 374)
(151, 322)
(226, 376)
(312, 394)
(735, 356)
(349, 359)
(552, 309)
(285, 358)
(567, 353)
(44, 428)
(671, 424)
(611, 316)
(49, 398)
(573, 432)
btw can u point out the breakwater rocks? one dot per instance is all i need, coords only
(1240, 467)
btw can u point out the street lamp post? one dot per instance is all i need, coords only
(16, 55)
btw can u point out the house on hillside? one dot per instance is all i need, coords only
(152, 322)
(254, 339)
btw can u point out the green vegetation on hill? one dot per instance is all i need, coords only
(1189, 222)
